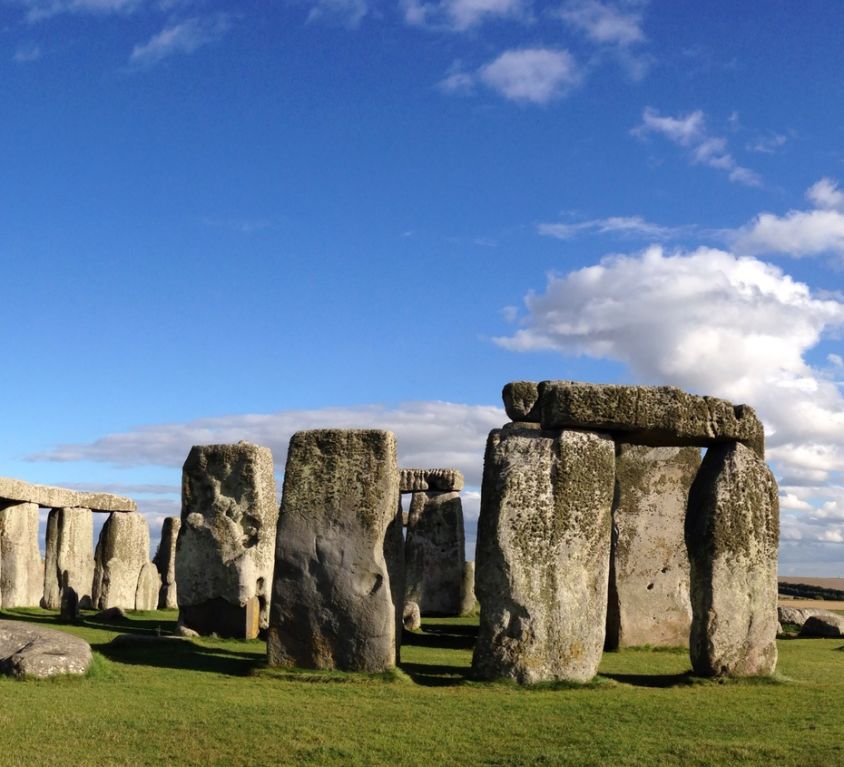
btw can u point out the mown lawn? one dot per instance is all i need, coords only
(213, 702)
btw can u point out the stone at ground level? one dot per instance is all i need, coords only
(226, 542)
(21, 569)
(122, 552)
(419, 480)
(61, 498)
(27, 650)
(648, 602)
(70, 550)
(411, 617)
(797, 616)
(732, 534)
(165, 561)
(468, 603)
(829, 626)
(543, 555)
(394, 557)
(331, 601)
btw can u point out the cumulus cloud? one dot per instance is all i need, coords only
(531, 75)
(631, 226)
(180, 37)
(825, 194)
(689, 131)
(605, 23)
(460, 15)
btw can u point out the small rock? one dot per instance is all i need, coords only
(823, 626)
(32, 651)
(411, 617)
(184, 631)
(111, 614)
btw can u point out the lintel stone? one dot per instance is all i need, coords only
(62, 498)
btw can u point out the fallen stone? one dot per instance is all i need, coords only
(165, 561)
(823, 626)
(411, 617)
(419, 480)
(797, 616)
(112, 614)
(468, 603)
(331, 600)
(649, 601)
(184, 631)
(543, 555)
(122, 552)
(28, 651)
(434, 552)
(648, 415)
(226, 541)
(21, 571)
(61, 498)
(732, 534)
(70, 549)
(521, 401)
(149, 586)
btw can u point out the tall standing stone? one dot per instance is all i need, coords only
(543, 554)
(226, 543)
(165, 561)
(434, 552)
(122, 552)
(331, 605)
(649, 599)
(70, 550)
(21, 572)
(732, 533)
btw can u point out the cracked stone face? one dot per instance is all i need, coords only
(121, 556)
(21, 571)
(70, 554)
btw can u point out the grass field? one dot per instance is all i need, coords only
(213, 702)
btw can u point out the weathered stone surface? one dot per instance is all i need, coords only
(434, 552)
(226, 542)
(543, 555)
(331, 601)
(732, 533)
(21, 571)
(799, 615)
(27, 650)
(111, 615)
(521, 400)
(823, 626)
(394, 557)
(149, 586)
(418, 480)
(411, 617)
(165, 561)
(61, 498)
(648, 415)
(122, 552)
(70, 549)
(468, 603)
(649, 600)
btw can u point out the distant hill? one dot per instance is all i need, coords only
(812, 588)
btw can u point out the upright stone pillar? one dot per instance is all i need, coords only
(122, 552)
(165, 561)
(21, 572)
(226, 543)
(434, 552)
(732, 533)
(331, 602)
(70, 550)
(649, 599)
(394, 557)
(543, 554)
(468, 603)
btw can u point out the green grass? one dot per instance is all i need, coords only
(214, 702)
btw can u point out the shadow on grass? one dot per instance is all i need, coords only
(654, 680)
(443, 636)
(436, 675)
(183, 655)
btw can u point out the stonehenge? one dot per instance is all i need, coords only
(21, 569)
(69, 560)
(121, 558)
(165, 561)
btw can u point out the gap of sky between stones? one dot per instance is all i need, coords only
(232, 221)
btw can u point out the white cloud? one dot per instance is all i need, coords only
(768, 144)
(826, 195)
(179, 38)
(689, 131)
(618, 225)
(36, 10)
(460, 15)
(348, 13)
(531, 75)
(28, 52)
(604, 23)
(458, 81)
(798, 233)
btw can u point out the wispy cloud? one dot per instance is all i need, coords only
(631, 226)
(531, 75)
(180, 37)
(461, 15)
(605, 23)
(767, 144)
(37, 10)
(241, 225)
(347, 13)
(689, 131)
(27, 52)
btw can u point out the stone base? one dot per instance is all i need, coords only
(216, 616)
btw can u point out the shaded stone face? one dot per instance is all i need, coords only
(732, 533)
(434, 552)
(21, 571)
(225, 545)
(122, 553)
(543, 555)
(70, 550)
(468, 603)
(165, 561)
(649, 600)
(149, 586)
(418, 480)
(521, 401)
(394, 557)
(331, 604)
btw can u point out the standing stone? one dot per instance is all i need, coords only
(434, 552)
(70, 549)
(149, 586)
(331, 603)
(543, 555)
(122, 552)
(226, 543)
(394, 557)
(732, 532)
(21, 573)
(165, 561)
(649, 599)
(411, 617)
(468, 603)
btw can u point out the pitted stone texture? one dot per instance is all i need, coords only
(521, 401)
(122, 552)
(468, 603)
(648, 415)
(543, 555)
(394, 557)
(434, 553)
(165, 561)
(419, 480)
(732, 533)
(412, 618)
(21, 571)
(34, 652)
(70, 549)
(61, 498)
(649, 599)
(331, 604)
(149, 586)
(823, 626)
(226, 543)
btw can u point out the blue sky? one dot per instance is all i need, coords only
(228, 221)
